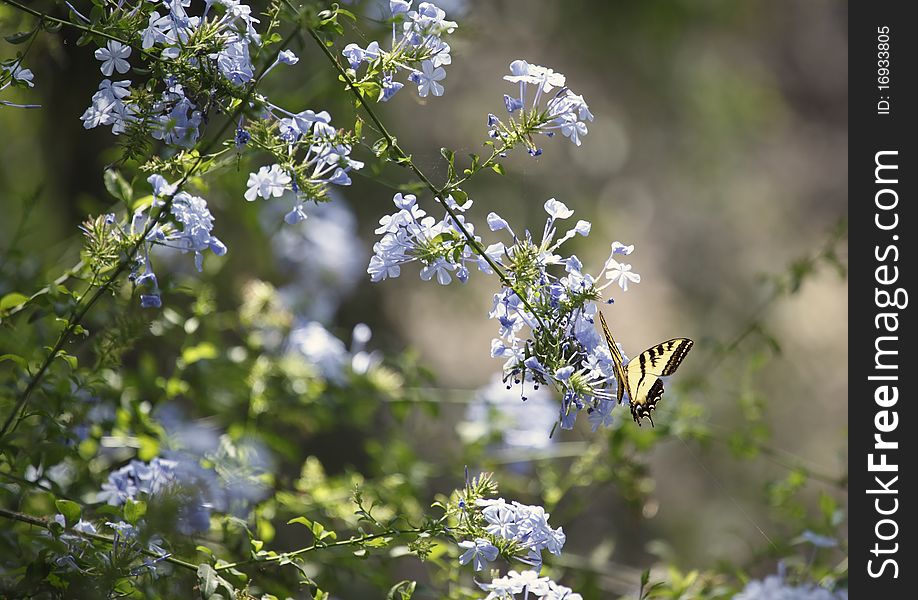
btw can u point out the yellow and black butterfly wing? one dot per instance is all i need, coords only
(645, 388)
(616, 359)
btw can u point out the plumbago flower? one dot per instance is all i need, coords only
(224, 476)
(127, 552)
(774, 587)
(495, 527)
(190, 231)
(312, 155)
(157, 479)
(550, 296)
(553, 108)
(564, 348)
(525, 527)
(527, 584)
(417, 48)
(410, 235)
(197, 63)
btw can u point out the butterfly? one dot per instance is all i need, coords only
(641, 376)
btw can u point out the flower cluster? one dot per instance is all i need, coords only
(410, 234)
(315, 155)
(160, 477)
(137, 478)
(525, 525)
(563, 110)
(774, 587)
(515, 530)
(230, 483)
(559, 310)
(322, 257)
(530, 585)
(191, 232)
(179, 49)
(564, 350)
(520, 528)
(126, 547)
(417, 48)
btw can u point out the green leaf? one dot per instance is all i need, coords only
(134, 511)
(450, 157)
(70, 360)
(380, 147)
(403, 590)
(498, 168)
(71, 511)
(11, 301)
(459, 196)
(16, 359)
(20, 37)
(318, 530)
(347, 13)
(301, 521)
(118, 186)
(208, 579)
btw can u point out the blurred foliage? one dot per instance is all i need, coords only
(338, 475)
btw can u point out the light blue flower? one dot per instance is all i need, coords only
(268, 182)
(114, 58)
(557, 210)
(564, 373)
(197, 223)
(389, 88)
(820, 541)
(512, 104)
(428, 79)
(479, 553)
(496, 223)
(601, 415)
(234, 61)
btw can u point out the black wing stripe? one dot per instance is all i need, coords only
(682, 348)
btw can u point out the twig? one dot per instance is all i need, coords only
(348, 542)
(439, 194)
(45, 524)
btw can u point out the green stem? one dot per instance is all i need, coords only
(45, 524)
(439, 194)
(81, 27)
(348, 542)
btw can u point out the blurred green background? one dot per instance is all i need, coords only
(719, 150)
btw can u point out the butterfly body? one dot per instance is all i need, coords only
(640, 378)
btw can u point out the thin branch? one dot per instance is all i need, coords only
(439, 194)
(348, 542)
(45, 524)
(81, 27)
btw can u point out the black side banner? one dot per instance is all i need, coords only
(882, 154)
